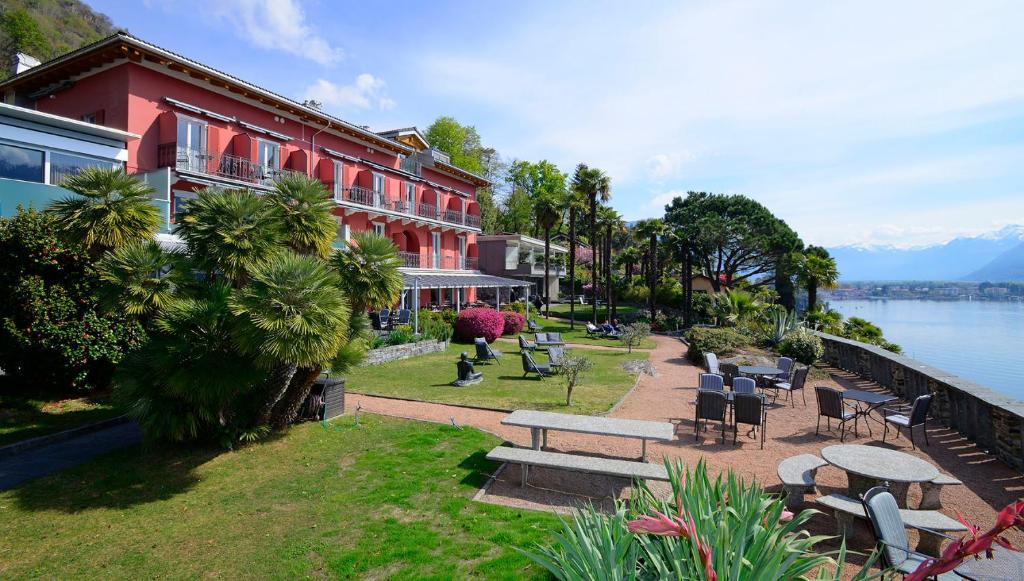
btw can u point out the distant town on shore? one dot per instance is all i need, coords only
(927, 290)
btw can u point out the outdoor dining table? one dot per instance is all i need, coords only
(870, 466)
(867, 402)
(1005, 565)
(759, 371)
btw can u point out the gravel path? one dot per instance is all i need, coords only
(988, 483)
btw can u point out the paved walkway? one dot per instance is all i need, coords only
(989, 483)
(67, 454)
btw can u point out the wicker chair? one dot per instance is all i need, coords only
(743, 385)
(728, 372)
(711, 382)
(711, 362)
(525, 345)
(531, 366)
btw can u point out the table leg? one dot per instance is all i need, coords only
(524, 470)
(643, 449)
(929, 543)
(535, 438)
(931, 496)
(866, 414)
(545, 445)
(861, 484)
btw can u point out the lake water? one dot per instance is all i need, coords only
(979, 341)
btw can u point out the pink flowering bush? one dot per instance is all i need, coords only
(514, 323)
(479, 322)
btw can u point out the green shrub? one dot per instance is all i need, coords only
(636, 293)
(718, 340)
(669, 293)
(515, 307)
(400, 336)
(53, 335)
(802, 345)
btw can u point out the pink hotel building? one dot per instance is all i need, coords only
(200, 127)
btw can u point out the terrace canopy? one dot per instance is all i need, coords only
(417, 281)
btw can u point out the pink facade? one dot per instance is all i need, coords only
(210, 131)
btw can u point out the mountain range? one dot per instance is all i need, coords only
(996, 256)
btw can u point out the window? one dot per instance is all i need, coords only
(19, 163)
(410, 197)
(269, 154)
(191, 133)
(462, 252)
(339, 177)
(181, 201)
(378, 190)
(512, 257)
(378, 228)
(435, 249)
(63, 165)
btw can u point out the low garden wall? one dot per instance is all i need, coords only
(993, 421)
(403, 351)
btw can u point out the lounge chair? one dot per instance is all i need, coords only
(594, 331)
(918, 417)
(799, 378)
(831, 406)
(531, 366)
(748, 408)
(549, 340)
(484, 353)
(887, 524)
(533, 327)
(711, 362)
(711, 405)
(526, 345)
(555, 355)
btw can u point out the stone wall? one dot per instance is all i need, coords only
(396, 352)
(991, 420)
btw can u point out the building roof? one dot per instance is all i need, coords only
(53, 75)
(67, 123)
(459, 280)
(406, 134)
(521, 238)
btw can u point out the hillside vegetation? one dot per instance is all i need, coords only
(47, 28)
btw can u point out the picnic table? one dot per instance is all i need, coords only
(867, 402)
(540, 422)
(870, 466)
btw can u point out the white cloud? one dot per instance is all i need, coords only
(366, 92)
(668, 165)
(277, 25)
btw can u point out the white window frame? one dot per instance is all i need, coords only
(462, 252)
(379, 228)
(435, 250)
(187, 138)
(410, 197)
(339, 180)
(259, 152)
(378, 194)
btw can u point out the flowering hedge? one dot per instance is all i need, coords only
(514, 323)
(479, 322)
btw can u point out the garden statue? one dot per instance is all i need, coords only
(466, 375)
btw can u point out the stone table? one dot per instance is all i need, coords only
(870, 466)
(1004, 565)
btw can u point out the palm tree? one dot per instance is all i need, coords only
(610, 221)
(593, 184)
(136, 279)
(230, 233)
(110, 209)
(304, 211)
(629, 257)
(817, 270)
(369, 272)
(291, 314)
(651, 229)
(548, 212)
(574, 203)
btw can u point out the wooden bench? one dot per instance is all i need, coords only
(797, 475)
(931, 492)
(587, 464)
(846, 509)
(540, 422)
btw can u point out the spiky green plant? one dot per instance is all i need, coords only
(781, 322)
(303, 207)
(136, 279)
(369, 271)
(110, 209)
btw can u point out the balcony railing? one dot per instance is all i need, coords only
(428, 211)
(417, 260)
(367, 197)
(218, 164)
(364, 196)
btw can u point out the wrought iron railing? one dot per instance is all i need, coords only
(410, 259)
(428, 211)
(417, 260)
(218, 164)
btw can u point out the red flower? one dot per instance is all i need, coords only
(660, 525)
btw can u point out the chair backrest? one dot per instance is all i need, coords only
(385, 314)
(481, 348)
(830, 402)
(748, 408)
(555, 354)
(710, 405)
(711, 362)
(884, 515)
(523, 343)
(799, 378)
(919, 410)
(531, 325)
(711, 381)
(528, 363)
(403, 316)
(556, 337)
(592, 327)
(728, 371)
(540, 337)
(743, 385)
(375, 321)
(785, 364)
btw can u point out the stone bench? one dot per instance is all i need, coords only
(540, 422)
(846, 509)
(797, 475)
(588, 464)
(931, 492)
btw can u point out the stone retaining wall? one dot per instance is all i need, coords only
(993, 421)
(405, 351)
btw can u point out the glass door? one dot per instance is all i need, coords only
(191, 144)
(462, 252)
(435, 249)
(268, 158)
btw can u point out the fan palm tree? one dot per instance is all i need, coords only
(110, 209)
(304, 211)
(291, 314)
(593, 184)
(369, 273)
(651, 229)
(548, 212)
(230, 233)
(574, 203)
(610, 221)
(629, 257)
(136, 279)
(816, 270)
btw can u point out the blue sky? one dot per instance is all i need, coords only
(896, 123)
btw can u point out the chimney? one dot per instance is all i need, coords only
(23, 62)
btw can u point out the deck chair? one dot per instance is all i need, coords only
(711, 362)
(484, 353)
(555, 355)
(799, 378)
(890, 532)
(525, 345)
(531, 366)
(593, 330)
(711, 405)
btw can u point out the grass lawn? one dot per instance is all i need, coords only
(582, 312)
(429, 377)
(23, 418)
(389, 499)
(579, 335)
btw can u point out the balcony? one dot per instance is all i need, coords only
(417, 260)
(369, 198)
(220, 165)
